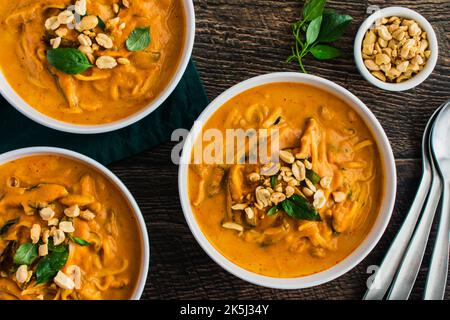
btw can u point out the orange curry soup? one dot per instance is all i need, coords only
(106, 92)
(309, 210)
(66, 232)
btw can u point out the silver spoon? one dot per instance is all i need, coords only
(391, 261)
(437, 274)
(410, 266)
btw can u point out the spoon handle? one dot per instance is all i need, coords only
(410, 266)
(437, 275)
(388, 267)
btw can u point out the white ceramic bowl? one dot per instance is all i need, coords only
(16, 101)
(34, 151)
(386, 206)
(405, 13)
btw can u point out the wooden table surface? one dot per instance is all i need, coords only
(238, 39)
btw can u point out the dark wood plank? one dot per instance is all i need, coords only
(180, 268)
(238, 39)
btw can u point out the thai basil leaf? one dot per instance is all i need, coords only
(101, 23)
(68, 60)
(312, 176)
(333, 26)
(273, 181)
(79, 241)
(26, 254)
(299, 208)
(48, 267)
(139, 39)
(312, 33)
(52, 248)
(273, 210)
(313, 9)
(324, 52)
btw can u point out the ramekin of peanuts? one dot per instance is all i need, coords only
(396, 49)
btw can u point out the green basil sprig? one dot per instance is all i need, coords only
(315, 30)
(68, 60)
(139, 39)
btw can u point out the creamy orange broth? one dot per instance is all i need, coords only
(278, 245)
(110, 265)
(96, 96)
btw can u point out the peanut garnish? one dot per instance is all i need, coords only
(55, 42)
(277, 197)
(66, 226)
(66, 17)
(319, 199)
(72, 212)
(104, 41)
(233, 226)
(85, 49)
(87, 23)
(123, 61)
(84, 40)
(395, 49)
(87, 215)
(74, 272)
(262, 196)
(106, 62)
(46, 213)
(61, 32)
(239, 206)
(287, 157)
(35, 233)
(289, 191)
(22, 274)
(58, 237)
(52, 23)
(339, 196)
(43, 250)
(63, 281)
(80, 7)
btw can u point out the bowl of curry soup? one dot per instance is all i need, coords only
(69, 229)
(85, 66)
(309, 202)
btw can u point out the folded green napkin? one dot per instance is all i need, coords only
(178, 111)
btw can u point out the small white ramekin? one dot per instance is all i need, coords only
(17, 102)
(35, 151)
(405, 13)
(386, 207)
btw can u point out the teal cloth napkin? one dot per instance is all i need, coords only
(179, 111)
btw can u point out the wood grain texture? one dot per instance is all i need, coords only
(239, 39)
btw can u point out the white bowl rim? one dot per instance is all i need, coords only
(34, 151)
(379, 225)
(431, 37)
(23, 107)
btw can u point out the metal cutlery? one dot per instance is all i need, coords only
(437, 274)
(391, 261)
(404, 258)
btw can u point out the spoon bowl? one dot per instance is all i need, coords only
(439, 142)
